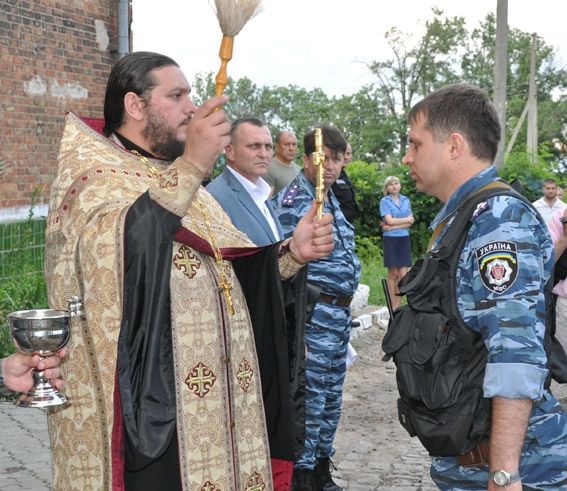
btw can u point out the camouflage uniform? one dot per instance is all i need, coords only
(328, 331)
(504, 265)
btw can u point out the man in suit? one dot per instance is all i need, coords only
(243, 195)
(240, 189)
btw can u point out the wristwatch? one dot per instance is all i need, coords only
(503, 478)
(562, 219)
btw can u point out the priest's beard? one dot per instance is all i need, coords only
(164, 143)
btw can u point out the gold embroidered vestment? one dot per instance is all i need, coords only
(220, 417)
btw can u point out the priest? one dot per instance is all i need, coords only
(166, 386)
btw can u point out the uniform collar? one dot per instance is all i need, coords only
(463, 192)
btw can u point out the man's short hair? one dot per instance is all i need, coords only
(281, 134)
(464, 109)
(237, 122)
(333, 139)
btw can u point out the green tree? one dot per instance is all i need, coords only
(477, 67)
(529, 172)
(374, 118)
(361, 117)
(416, 68)
(367, 125)
(280, 108)
(448, 52)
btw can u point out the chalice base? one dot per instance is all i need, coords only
(42, 395)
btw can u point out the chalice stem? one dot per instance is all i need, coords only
(42, 393)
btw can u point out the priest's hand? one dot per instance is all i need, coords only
(312, 238)
(18, 370)
(208, 132)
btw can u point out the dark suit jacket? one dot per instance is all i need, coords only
(240, 207)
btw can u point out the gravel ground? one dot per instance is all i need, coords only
(373, 451)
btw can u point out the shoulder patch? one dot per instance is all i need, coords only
(290, 196)
(498, 265)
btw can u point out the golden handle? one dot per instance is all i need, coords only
(225, 54)
(318, 159)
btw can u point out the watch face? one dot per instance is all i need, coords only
(500, 478)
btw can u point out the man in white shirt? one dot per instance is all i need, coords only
(240, 189)
(243, 194)
(549, 202)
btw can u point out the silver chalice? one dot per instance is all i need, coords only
(42, 332)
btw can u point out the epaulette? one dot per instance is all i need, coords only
(481, 208)
(290, 196)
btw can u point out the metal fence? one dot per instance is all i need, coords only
(22, 247)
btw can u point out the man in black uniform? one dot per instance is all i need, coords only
(344, 190)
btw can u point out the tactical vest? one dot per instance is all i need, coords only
(440, 361)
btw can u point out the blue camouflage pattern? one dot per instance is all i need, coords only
(339, 272)
(506, 261)
(328, 331)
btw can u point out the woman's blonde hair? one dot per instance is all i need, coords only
(389, 180)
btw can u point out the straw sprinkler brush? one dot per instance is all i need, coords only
(232, 16)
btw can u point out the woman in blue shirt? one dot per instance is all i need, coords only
(397, 217)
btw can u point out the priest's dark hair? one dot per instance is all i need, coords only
(132, 73)
(333, 139)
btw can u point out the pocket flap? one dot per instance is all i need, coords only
(399, 329)
(427, 336)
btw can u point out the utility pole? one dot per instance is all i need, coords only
(501, 74)
(532, 105)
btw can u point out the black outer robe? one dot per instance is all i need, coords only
(144, 369)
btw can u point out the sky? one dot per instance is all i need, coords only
(316, 43)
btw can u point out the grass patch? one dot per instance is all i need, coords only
(22, 285)
(369, 250)
(372, 273)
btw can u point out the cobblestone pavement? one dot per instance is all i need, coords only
(373, 452)
(25, 457)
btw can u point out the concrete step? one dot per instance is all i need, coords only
(369, 316)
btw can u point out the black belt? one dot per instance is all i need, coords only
(338, 301)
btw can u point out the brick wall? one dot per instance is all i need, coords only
(55, 56)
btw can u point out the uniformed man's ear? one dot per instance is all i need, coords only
(134, 106)
(456, 143)
(305, 159)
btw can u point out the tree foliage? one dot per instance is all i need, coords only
(374, 119)
(447, 52)
(368, 180)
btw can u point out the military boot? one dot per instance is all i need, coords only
(303, 480)
(323, 476)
